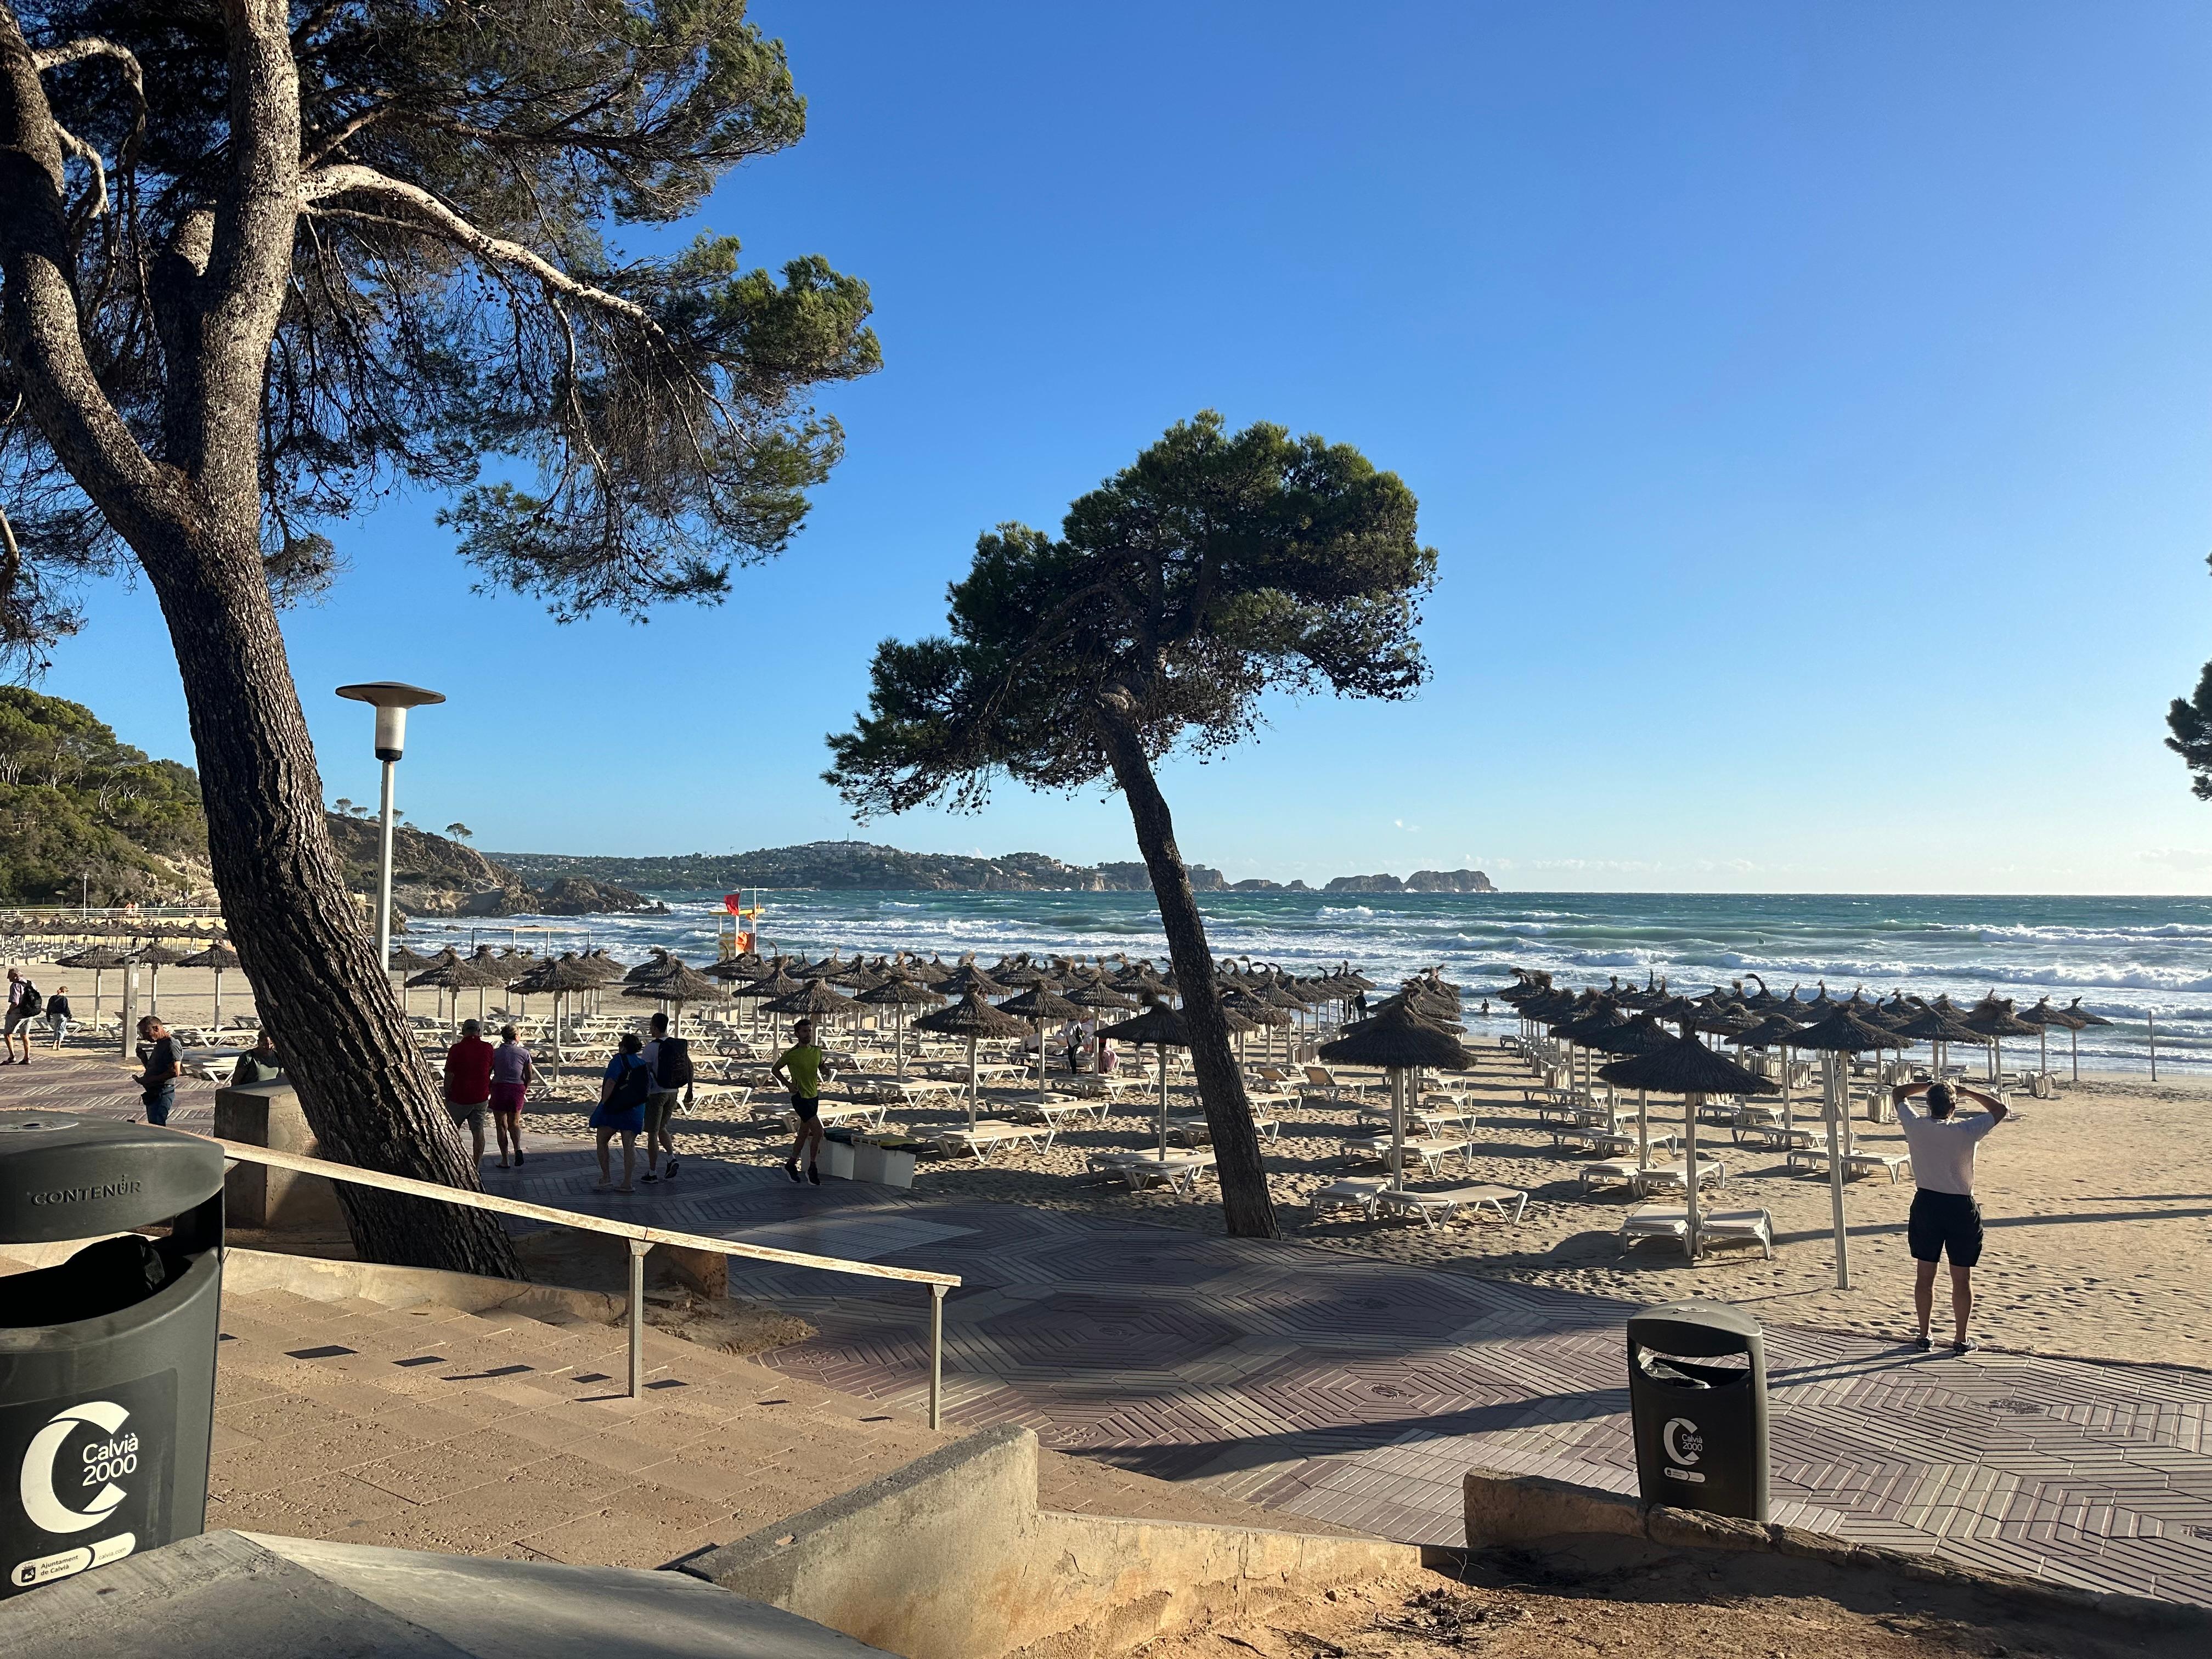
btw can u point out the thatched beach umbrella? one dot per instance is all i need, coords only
(1775, 1030)
(2081, 1018)
(1993, 1020)
(99, 959)
(1639, 1035)
(814, 999)
(1839, 1034)
(221, 959)
(764, 992)
(974, 1018)
(560, 979)
(898, 993)
(1688, 1068)
(1038, 1004)
(156, 954)
(1399, 1042)
(1160, 1028)
(678, 983)
(968, 978)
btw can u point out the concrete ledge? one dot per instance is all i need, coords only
(256, 1195)
(321, 1279)
(1519, 1510)
(950, 1558)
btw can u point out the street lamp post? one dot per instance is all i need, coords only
(392, 701)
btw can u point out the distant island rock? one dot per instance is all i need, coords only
(1421, 881)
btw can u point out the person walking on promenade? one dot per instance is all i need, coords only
(669, 1059)
(468, 1083)
(1944, 1218)
(258, 1064)
(157, 1082)
(512, 1070)
(798, 1068)
(620, 1110)
(24, 1005)
(58, 1016)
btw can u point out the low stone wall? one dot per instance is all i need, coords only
(256, 1195)
(1523, 1511)
(950, 1558)
(320, 1279)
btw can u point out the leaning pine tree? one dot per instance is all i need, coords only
(258, 261)
(1215, 568)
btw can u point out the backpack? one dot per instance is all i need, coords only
(33, 1005)
(671, 1064)
(632, 1086)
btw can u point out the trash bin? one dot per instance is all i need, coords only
(107, 1358)
(1696, 1396)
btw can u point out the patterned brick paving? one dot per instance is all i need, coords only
(1356, 1391)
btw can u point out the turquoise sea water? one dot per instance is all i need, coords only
(2130, 959)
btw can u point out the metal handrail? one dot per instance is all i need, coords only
(640, 1239)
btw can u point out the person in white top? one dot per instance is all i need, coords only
(1945, 1219)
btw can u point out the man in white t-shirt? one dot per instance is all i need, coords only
(1945, 1218)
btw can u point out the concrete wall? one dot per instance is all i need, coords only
(254, 1195)
(322, 1280)
(950, 1558)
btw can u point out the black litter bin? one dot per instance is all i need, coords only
(106, 1359)
(1697, 1395)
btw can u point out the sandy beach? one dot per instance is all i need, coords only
(2098, 1204)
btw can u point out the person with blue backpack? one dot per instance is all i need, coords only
(620, 1110)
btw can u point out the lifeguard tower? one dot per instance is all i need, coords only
(736, 930)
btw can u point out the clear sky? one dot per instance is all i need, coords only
(1809, 403)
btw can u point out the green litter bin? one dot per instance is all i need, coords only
(107, 1358)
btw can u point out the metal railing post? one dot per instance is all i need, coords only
(937, 1355)
(638, 1248)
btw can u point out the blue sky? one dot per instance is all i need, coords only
(1809, 403)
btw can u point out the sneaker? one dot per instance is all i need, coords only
(518, 1160)
(814, 1175)
(650, 1177)
(1922, 1343)
(1964, 1346)
(671, 1174)
(791, 1169)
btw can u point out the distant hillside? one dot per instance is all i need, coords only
(849, 864)
(434, 876)
(864, 865)
(82, 815)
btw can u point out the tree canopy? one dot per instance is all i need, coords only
(83, 814)
(452, 291)
(1214, 568)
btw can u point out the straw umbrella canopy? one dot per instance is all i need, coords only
(98, 959)
(156, 954)
(1688, 1068)
(224, 960)
(898, 992)
(2080, 1019)
(974, 1018)
(1776, 1030)
(1636, 1035)
(1160, 1027)
(559, 978)
(679, 984)
(813, 1000)
(1019, 973)
(1993, 1021)
(403, 963)
(1938, 1027)
(967, 978)
(2042, 1017)
(1037, 1005)
(765, 992)
(1840, 1033)
(1399, 1042)
(655, 963)
(442, 977)
(483, 970)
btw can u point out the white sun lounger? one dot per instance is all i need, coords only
(1673, 1178)
(1435, 1209)
(989, 1134)
(1179, 1171)
(1351, 1193)
(1892, 1164)
(1190, 1128)
(1714, 1226)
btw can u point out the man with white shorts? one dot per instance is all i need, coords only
(1945, 1219)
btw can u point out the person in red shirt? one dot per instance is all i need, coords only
(468, 1082)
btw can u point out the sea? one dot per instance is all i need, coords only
(2143, 964)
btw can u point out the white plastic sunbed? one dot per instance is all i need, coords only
(1435, 1209)
(1714, 1226)
(1179, 1171)
(1351, 1193)
(1673, 1178)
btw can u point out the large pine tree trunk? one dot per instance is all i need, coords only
(1246, 1203)
(336, 1018)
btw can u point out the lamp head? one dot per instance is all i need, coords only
(392, 699)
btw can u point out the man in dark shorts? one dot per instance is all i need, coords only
(798, 1068)
(468, 1084)
(1945, 1219)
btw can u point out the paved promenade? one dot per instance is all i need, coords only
(1353, 1390)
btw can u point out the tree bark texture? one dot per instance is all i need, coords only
(192, 517)
(1247, 1206)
